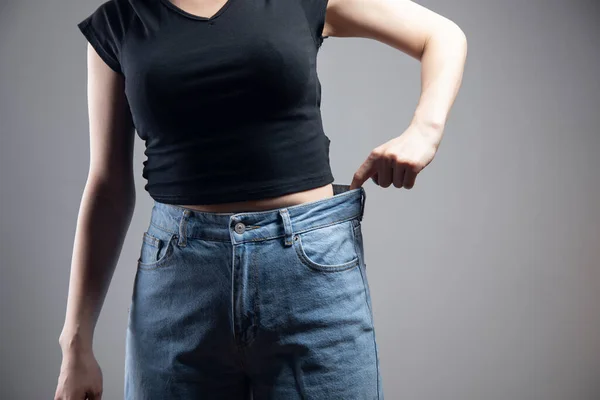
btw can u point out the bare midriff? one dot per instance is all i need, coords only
(268, 203)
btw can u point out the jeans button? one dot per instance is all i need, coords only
(240, 228)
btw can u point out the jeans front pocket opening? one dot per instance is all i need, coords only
(159, 249)
(339, 237)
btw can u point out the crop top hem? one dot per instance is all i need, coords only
(254, 194)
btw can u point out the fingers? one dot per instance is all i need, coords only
(409, 178)
(375, 178)
(402, 175)
(73, 395)
(399, 173)
(364, 172)
(94, 395)
(385, 172)
(79, 394)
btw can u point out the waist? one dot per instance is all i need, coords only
(345, 204)
(287, 200)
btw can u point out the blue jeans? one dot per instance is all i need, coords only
(253, 305)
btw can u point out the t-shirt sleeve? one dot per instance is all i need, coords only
(105, 30)
(315, 14)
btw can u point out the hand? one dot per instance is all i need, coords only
(399, 160)
(80, 377)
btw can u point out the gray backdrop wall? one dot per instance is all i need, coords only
(485, 277)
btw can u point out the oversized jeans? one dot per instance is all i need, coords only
(253, 305)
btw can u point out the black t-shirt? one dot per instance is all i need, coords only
(228, 106)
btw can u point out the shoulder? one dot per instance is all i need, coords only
(117, 7)
(116, 14)
(106, 27)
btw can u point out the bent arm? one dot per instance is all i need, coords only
(106, 207)
(436, 41)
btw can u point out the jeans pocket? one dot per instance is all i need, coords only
(328, 248)
(157, 248)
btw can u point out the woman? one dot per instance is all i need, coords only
(251, 277)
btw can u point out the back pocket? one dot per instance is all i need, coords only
(328, 248)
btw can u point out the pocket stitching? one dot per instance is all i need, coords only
(151, 240)
(297, 243)
(166, 256)
(356, 230)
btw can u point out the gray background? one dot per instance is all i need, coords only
(485, 277)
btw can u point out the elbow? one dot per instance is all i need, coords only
(451, 31)
(447, 36)
(461, 37)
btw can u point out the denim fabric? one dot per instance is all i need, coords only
(253, 305)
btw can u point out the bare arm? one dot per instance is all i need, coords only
(436, 41)
(107, 204)
(440, 45)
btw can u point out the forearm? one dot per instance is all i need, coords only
(442, 66)
(104, 217)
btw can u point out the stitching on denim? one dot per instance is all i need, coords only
(256, 307)
(183, 222)
(260, 238)
(342, 267)
(357, 232)
(167, 256)
(294, 207)
(355, 240)
(162, 228)
(151, 240)
(320, 267)
(315, 227)
(299, 231)
(366, 293)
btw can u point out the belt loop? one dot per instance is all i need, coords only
(363, 199)
(287, 226)
(183, 228)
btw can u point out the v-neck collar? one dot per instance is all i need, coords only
(181, 11)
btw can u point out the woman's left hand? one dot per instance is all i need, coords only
(399, 160)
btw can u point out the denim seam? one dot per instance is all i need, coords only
(371, 318)
(314, 227)
(151, 240)
(294, 207)
(354, 241)
(183, 222)
(255, 278)
(256, 239)
(325, 268)
(166, 257)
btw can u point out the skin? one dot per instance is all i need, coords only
(109, 195)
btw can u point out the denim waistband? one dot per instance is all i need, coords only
(251, 226)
